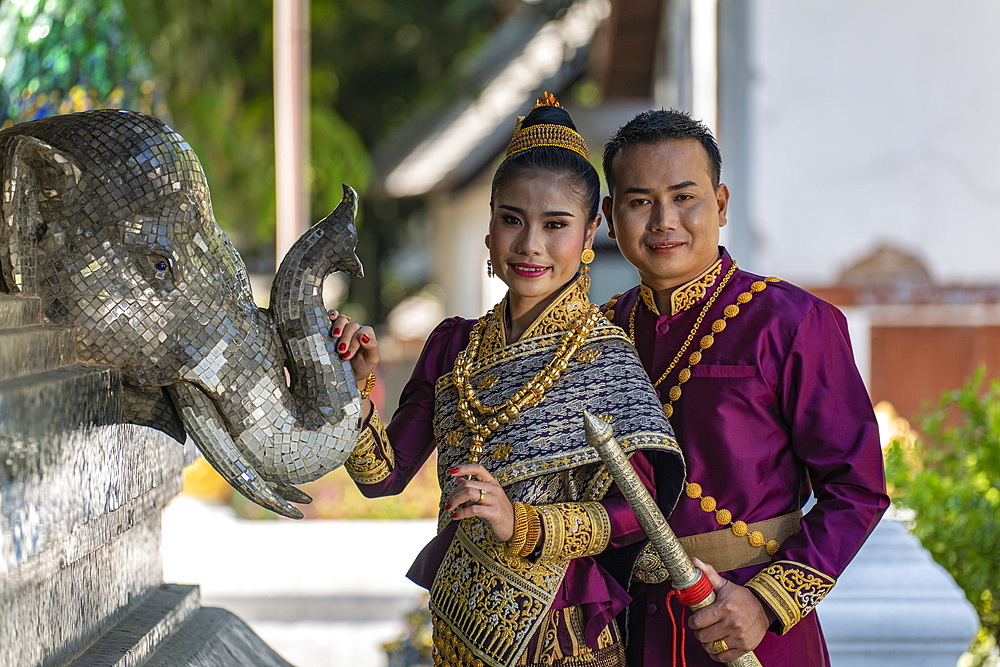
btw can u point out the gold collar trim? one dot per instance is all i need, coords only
(688, 295)
(558, 316)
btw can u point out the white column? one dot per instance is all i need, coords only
(291, 120)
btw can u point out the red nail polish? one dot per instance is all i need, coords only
(365, 339)
(453, 514)
(452, 471)
(342, 347)
(336, 332)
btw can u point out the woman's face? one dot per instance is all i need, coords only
(538, 230)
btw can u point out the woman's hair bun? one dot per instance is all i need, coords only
(548, 115)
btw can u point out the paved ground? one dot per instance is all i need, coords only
(321, 593)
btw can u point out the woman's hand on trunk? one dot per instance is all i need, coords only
(481, 496)
(355, 343)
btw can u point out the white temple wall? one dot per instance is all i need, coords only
(874, 121)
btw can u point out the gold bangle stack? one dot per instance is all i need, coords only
(369, 386)
(527, 528)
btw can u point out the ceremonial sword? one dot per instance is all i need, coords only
(683, 573)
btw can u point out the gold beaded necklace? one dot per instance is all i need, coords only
(694, 330)
(692, 489)
(528, 395)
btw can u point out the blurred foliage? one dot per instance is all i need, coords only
(335, 496)
(60, 56)
(950, 477)
(371, 60)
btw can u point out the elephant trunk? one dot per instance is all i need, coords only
(321, 382)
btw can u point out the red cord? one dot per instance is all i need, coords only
(696, 592)
(691, 595)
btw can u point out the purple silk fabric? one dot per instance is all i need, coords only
(775, 409)
(411, 434)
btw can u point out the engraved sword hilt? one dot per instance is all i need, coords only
(682, 571)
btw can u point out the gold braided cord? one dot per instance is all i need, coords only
(553, 136)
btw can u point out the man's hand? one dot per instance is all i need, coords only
(738, 617)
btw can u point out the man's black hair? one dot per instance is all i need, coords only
(652, 127)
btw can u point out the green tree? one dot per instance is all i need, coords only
(59, 56)
(950, 477)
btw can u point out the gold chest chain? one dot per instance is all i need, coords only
(692, 489)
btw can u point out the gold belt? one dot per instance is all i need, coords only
(719, 548)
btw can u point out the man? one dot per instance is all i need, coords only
(759, 382)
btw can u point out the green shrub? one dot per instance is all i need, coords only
(949, 475)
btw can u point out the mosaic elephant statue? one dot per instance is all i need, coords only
(107, 219)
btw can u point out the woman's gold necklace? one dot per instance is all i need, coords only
(528, 395)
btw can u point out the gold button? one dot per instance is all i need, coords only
(708, 504)
(756, 539)
(675, 393)
(668, 410)
(706, 341)
(744, 297)
(771, 547)
(693, 490)
(739, 528)
(723, 517)
(731, 310)
(758, 286)
(684, 376)
(695, 358)
(718, 326)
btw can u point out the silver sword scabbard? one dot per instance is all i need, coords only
(682, 571)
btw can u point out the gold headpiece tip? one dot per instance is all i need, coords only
(517, 123)
(547, 99)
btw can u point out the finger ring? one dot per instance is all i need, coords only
(482, 494)
(346, 317)
(720, 646)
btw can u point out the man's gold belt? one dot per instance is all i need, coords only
(719, 548)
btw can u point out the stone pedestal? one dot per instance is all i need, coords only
(80, 501)
(895, 606)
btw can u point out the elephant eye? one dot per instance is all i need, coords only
(160, 266)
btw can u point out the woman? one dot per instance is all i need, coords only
(526, 505)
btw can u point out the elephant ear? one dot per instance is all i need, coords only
(38, 180)
(153, 408)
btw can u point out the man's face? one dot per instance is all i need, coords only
(664, 212)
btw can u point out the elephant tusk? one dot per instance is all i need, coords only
(202, 421)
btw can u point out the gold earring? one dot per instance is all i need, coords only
(587, 256)
(487, 241)
(489, 268)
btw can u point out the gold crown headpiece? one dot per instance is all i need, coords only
(550, 136)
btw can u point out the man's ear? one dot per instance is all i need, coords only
(722, 199)
(606, 207)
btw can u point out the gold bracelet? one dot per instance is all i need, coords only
(369, 385)
(534, 531)
(520, 536)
